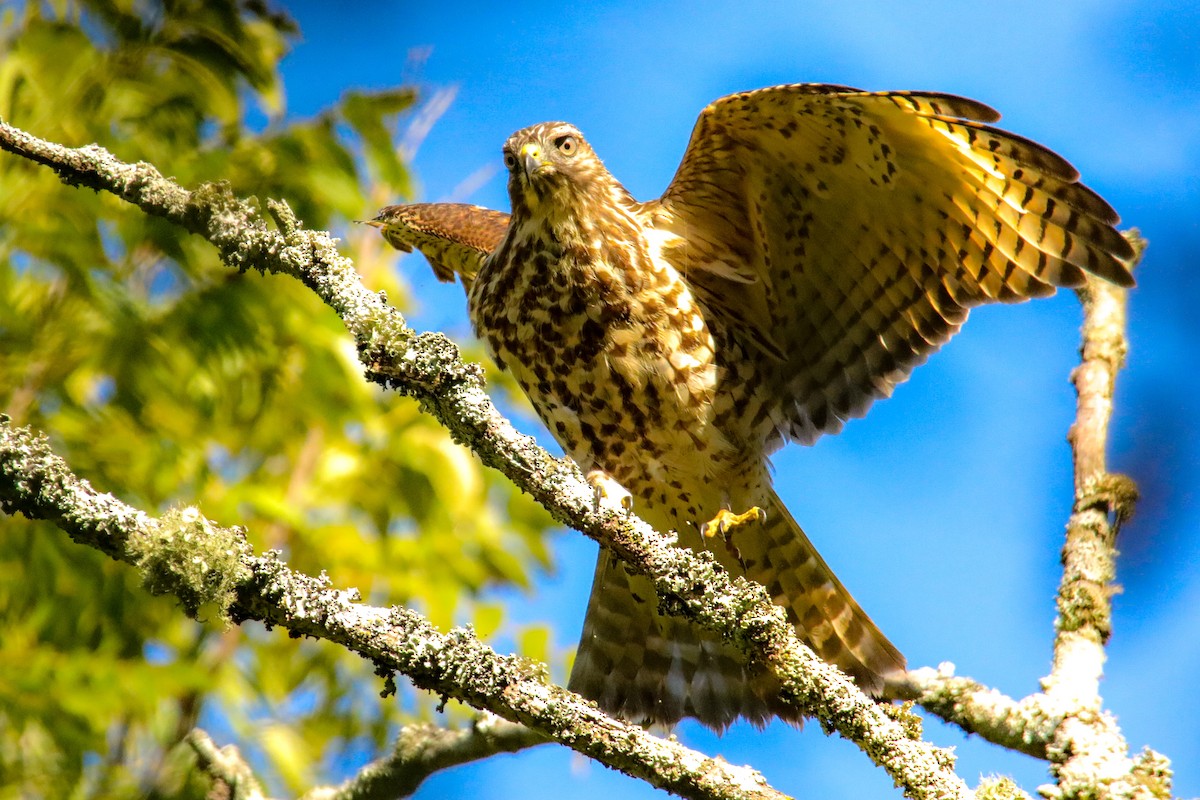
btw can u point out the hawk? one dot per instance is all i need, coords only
(815, 245)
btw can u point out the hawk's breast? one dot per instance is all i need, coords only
(611, 347)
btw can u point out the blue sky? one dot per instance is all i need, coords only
(943, 510)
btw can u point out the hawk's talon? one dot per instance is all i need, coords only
(605, 488)
(725, 521)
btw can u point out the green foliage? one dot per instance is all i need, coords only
(170, 380)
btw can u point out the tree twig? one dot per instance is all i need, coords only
(428, 367)
(1026, 725)
(226, 766)
(421, 750)
(1065, 723)
(1089, 756)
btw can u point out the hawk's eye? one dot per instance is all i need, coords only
(566, 145)
(510, 161)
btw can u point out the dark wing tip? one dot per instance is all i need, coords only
(1118, 269)
(953, 105)
(444, 273)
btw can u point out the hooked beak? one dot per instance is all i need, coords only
(531, 157)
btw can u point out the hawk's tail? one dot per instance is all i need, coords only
(649, 668)
(827, 618)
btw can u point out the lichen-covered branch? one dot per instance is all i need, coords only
(208, 566)
(428, 367)
(227, 768)
(1066, 723)
(1102, 501)
(1089, 756)
(421, 750)
(1026, 725)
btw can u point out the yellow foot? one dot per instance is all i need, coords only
(608, 489)
(726, 520)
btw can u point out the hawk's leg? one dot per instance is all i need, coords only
(725, 521)
(606, 488)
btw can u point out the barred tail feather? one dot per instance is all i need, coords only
(654, 669)
(828, 619)
(650, 668)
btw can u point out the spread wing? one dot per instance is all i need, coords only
(843, 235)
(454, 237)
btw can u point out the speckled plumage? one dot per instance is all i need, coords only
(815, 245)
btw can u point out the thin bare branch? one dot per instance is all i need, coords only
(428, 367)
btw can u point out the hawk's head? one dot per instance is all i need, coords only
(551, 166)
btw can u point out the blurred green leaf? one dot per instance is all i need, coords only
(535, 644)
(167, 379)
(290, 756)
(368, 115)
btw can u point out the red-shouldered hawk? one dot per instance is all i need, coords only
(816, 244)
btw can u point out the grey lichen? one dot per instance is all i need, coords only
(37, 483)
(910, 722)
(183, 553)
(999, 788)
(1152, 773)
(1026, 726)
(186, 555)
(233, 778)
(1118, 494)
